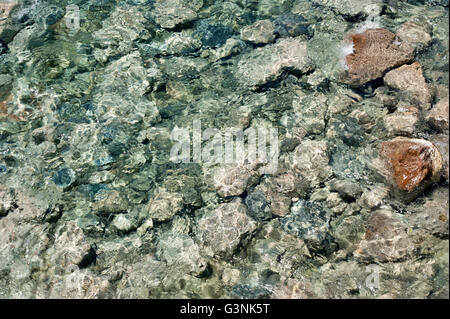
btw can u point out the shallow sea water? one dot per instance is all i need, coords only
(217, 149)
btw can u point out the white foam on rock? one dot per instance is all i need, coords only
(345, 50)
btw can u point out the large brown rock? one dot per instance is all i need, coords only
(375, 52)
(412, 163)
(409, 79)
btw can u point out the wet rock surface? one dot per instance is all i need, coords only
(412, 162)
(172, 13)
(264, 65)
(5, 10)
(310, 222)
(375, 51)
(224, 228)
(95, 204)
(409, 79)
(438, 115)
(417, 36)
(402, 122)
(260, 32)
(385, 238)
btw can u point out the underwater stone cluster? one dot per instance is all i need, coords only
(92, 206)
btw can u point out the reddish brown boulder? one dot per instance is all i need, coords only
(409, 79)
(411, 162)
(375, 52)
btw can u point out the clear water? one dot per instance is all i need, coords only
(118, 178)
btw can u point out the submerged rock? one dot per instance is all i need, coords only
(409, 79)
(6, 201)
(347, 130)
(92, 205)
(412, 162)
(347, 189)
(121, 92)
(415, 35)
(111, 202)
(5, 10)
(347, 163)
(248, 292)
(292, 25)
(279, 190)
(348, 231)
(309, 113)
(402, 122)
(310, 221)
(180, 43)
(123, 223)
(353, 8)
(257, 206)
(294, 289)
(374, 196)
(71, 247)
(261, 32)
(232, 46)
(232, 180)
(75, 284)
(439, 114)
(309, 162)
(223, 229)
(264, 65)
(277, 250)
(164, 205)
(432, 215)
(385, 238)
(124, 26)
(441, 141)
(64, 177)
(182, 254)
(172, 13)
(213, 35)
